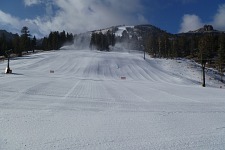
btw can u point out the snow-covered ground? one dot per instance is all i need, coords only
(121, 29)
(86, 105)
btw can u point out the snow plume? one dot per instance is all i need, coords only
(124, 47)
(121, 47)
(81, 42)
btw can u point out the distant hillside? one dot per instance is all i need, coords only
(132, 30)
(137, 35)
(127, 37)
(8, 35)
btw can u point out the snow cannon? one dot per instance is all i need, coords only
(8, 70)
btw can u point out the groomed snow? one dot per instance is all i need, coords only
(85, 105)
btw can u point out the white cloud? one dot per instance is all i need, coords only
(9, 21)
(88, 15)
(193, 22)
(14, 24)
(219, 18)
(31, 2)
(78, 15)
(81, 15)
(190, 23)
(7, 18)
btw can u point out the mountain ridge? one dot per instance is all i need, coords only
(203, 30)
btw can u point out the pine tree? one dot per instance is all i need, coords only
(181, 46)
(160, 46)
(69, 38)
(16, 45)
(25, 43)
(204, 51)
(33, 43)
(221, 54)
(174, 47)
(45, 44)
(3, 45)
(165, 46)
(102, 41)
(62, 38)
(151, 45)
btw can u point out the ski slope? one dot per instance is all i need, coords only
(86, 105)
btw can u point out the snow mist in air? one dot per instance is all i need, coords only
(81, 42)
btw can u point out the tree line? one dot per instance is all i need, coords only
(102, 41)
(205, 48)
(18, 44)
(56, 40)
(23, 43)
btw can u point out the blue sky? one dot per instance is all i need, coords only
(43, 16)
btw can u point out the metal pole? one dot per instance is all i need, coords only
(8, 61)
(203, 71)
(143, 50)
(144, 53)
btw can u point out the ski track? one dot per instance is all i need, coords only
(86, 105)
